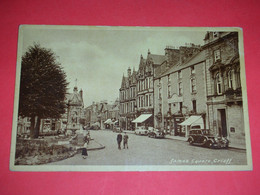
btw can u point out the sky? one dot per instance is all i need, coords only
(99, 56)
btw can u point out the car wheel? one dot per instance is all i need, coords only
(210, 144)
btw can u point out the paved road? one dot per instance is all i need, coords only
(149, 151)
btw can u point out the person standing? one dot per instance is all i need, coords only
(119, 140)
(84, 151)
(125, 141)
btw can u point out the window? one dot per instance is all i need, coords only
(146, 100)
(238, 78)
(169, 79)
(180, 104)
(160, 93)
(194, 106)
(193, 85)
(217, 55)
(150, 100)
(179, 74)
(230, 79)
(169, 91)
(192, 70)
(139, 102)
(160, 107)
(215, 34)
(219, 84)
(160, 89)
(180, 88)
(169, 105)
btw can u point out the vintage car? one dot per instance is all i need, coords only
(141, 131)
(117, 129)
(204, 138)
(156, 134)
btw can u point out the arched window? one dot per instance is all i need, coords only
(219, 84)
(230, 79)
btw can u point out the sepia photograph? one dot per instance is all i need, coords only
(101, 98)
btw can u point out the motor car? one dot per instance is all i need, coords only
(156, 134)
(117, 130)
(203, 137)
(141, 131)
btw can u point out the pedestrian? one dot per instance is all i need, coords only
(119, 140)
(125, 141)
(84, 151)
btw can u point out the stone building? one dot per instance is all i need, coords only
(180, 92)
(145, 88)
(224, 94)
(99, 114)
(127, 99)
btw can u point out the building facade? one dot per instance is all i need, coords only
(180, 92)
(224, 94)
(145, 86)
(98, 114)
(127, 99)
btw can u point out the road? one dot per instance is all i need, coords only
(149, 151)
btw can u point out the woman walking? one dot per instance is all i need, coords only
(84, 151)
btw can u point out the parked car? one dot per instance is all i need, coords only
(141, 131)
(156, 134)
(204, 138)
(117, 130)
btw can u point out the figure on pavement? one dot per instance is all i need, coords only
(119, 140)
(84, 151)
(125, 141)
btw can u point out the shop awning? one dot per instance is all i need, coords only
(115, 122)
(108, 121)
(142, 118)
(193, 120)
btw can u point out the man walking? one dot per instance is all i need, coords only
(119, 140)
(125, 141)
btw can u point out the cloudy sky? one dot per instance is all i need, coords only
(99, 56)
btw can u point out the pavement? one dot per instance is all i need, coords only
(231, 145)
(94, 145)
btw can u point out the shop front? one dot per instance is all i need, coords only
(145, 120)
(191, 121)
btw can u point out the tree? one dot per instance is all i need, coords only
(43, 87)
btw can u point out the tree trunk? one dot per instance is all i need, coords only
(32, 126)
(37, 127)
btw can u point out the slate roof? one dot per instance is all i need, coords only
(157, 59)
(197, 58)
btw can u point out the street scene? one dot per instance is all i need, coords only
(155, 152)
(129, 96)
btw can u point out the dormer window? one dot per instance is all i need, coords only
(215, 34)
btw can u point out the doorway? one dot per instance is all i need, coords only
(222, 122)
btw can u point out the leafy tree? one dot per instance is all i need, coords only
(43, 87)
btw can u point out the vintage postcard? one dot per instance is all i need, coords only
(93, 98)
